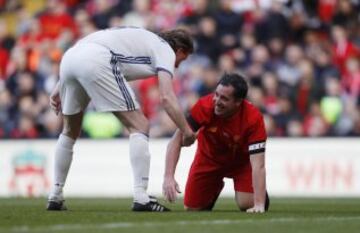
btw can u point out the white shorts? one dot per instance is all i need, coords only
(89, 72)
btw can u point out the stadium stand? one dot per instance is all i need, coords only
(302, 59)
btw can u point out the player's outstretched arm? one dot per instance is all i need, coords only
(172, 107)
(170, 186)
(259, 182)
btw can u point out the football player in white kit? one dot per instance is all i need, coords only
(99, 67)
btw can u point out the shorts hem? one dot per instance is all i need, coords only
(70, 113)
(116, 109)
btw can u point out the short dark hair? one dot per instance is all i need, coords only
(178, 39)
(238, 82)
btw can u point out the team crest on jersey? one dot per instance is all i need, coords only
(213, 129)
(236, 138)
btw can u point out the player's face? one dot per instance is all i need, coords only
(181, 55)
(225, 103)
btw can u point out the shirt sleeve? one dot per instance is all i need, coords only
(257, 135)
(164, 57)
(198, 116)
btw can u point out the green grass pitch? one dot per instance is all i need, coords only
(286, 215)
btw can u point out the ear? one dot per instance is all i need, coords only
(179, 50)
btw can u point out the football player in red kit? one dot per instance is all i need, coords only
(231, 143)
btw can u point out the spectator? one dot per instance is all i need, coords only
(140, 16)
(54, 20)
(228, 25)
(5, 107)
(294, 128)
(306, 89)
(83, 22)
(50, 124)
(351, 81)
(314, 123)
(331, 105)
(26, 128)
(199, 9)
(289, 72)
(6, 45)
(343, 48)
(287, 49)
(207, 41)
(323, 67)
(345, 14)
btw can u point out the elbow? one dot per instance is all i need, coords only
(164, 99)
(261, 166)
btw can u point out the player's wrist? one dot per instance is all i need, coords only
(169, 176)
(259, 205)
(187, 131)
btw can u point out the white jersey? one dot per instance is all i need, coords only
(140, 53)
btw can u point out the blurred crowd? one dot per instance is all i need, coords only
(301, 59)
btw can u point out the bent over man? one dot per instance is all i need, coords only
(99, 67)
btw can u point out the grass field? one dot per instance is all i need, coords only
(114, 215)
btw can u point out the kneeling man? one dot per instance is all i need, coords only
(231, 144)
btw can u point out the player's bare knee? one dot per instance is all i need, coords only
(244, 205)
(71, 134)
(242, 208)
(145, 127)
(135, 121)
(72, 125)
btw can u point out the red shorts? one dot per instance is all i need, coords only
(205, 182)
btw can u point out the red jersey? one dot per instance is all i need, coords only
(52, 25)
(227, 141)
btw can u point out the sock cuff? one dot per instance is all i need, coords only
(66, 141)
(139, 135)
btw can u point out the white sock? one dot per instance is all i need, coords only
(140, 163)
(62, 162)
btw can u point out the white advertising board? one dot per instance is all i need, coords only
(101, 168)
